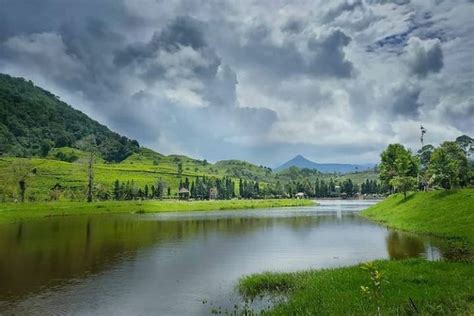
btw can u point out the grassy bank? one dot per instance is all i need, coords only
(414, 286)
(17, 211)
(440, 288)
(448, 214)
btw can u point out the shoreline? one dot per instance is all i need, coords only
(13, 212)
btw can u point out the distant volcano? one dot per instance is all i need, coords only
(301, 162)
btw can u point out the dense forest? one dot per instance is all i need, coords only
(32, 121)
(225, 188)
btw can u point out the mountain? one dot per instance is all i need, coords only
(301, 162)
(33, 121)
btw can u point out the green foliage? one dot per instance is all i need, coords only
(396, 161)
(424, 156)
(372, 187)
(403, 184)
(373, 290)
(243, 169)
(32, 121)
(21, 172)
(466, 143)
(160, 189)
(449, 166)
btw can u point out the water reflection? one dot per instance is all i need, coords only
(405, 245)
(167, 264)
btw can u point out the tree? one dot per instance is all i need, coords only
(241, 188)
(424, 156)
(180, 168)
(89, 144)
(348, 187)
(396, 161)
(466, 143)
(403, 184)
(140, 193)
(160, 188)
(449, 166)
(21, 171)
(116, 192)
(146, 191)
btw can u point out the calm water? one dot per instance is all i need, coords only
(169, 264)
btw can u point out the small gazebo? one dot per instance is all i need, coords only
(300, 195)
(183, 194)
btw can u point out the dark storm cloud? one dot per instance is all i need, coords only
(323, 56)
(329, 58)
(424, 59)
(89, 41)
(461, 116)
(293, 26)
(341, 8)
(223, 92)
(85, 32)
(25, 16)
(183, 31)
(406, 102)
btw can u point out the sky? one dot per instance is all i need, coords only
(263, 81)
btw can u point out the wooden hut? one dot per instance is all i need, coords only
(183, 194)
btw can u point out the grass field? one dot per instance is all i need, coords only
(448, 214)
(413, 286)
(435, 288)
(16, 211)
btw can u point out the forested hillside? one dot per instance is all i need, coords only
(32, 121)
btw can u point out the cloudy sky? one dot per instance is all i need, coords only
(258, 80)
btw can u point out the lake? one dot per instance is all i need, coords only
(180, 263)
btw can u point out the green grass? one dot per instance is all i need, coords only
(440, 288)
(16, 211)
(448, 214)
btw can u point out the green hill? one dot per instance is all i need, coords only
(32, 121)
(66, 168)
(442, 213)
